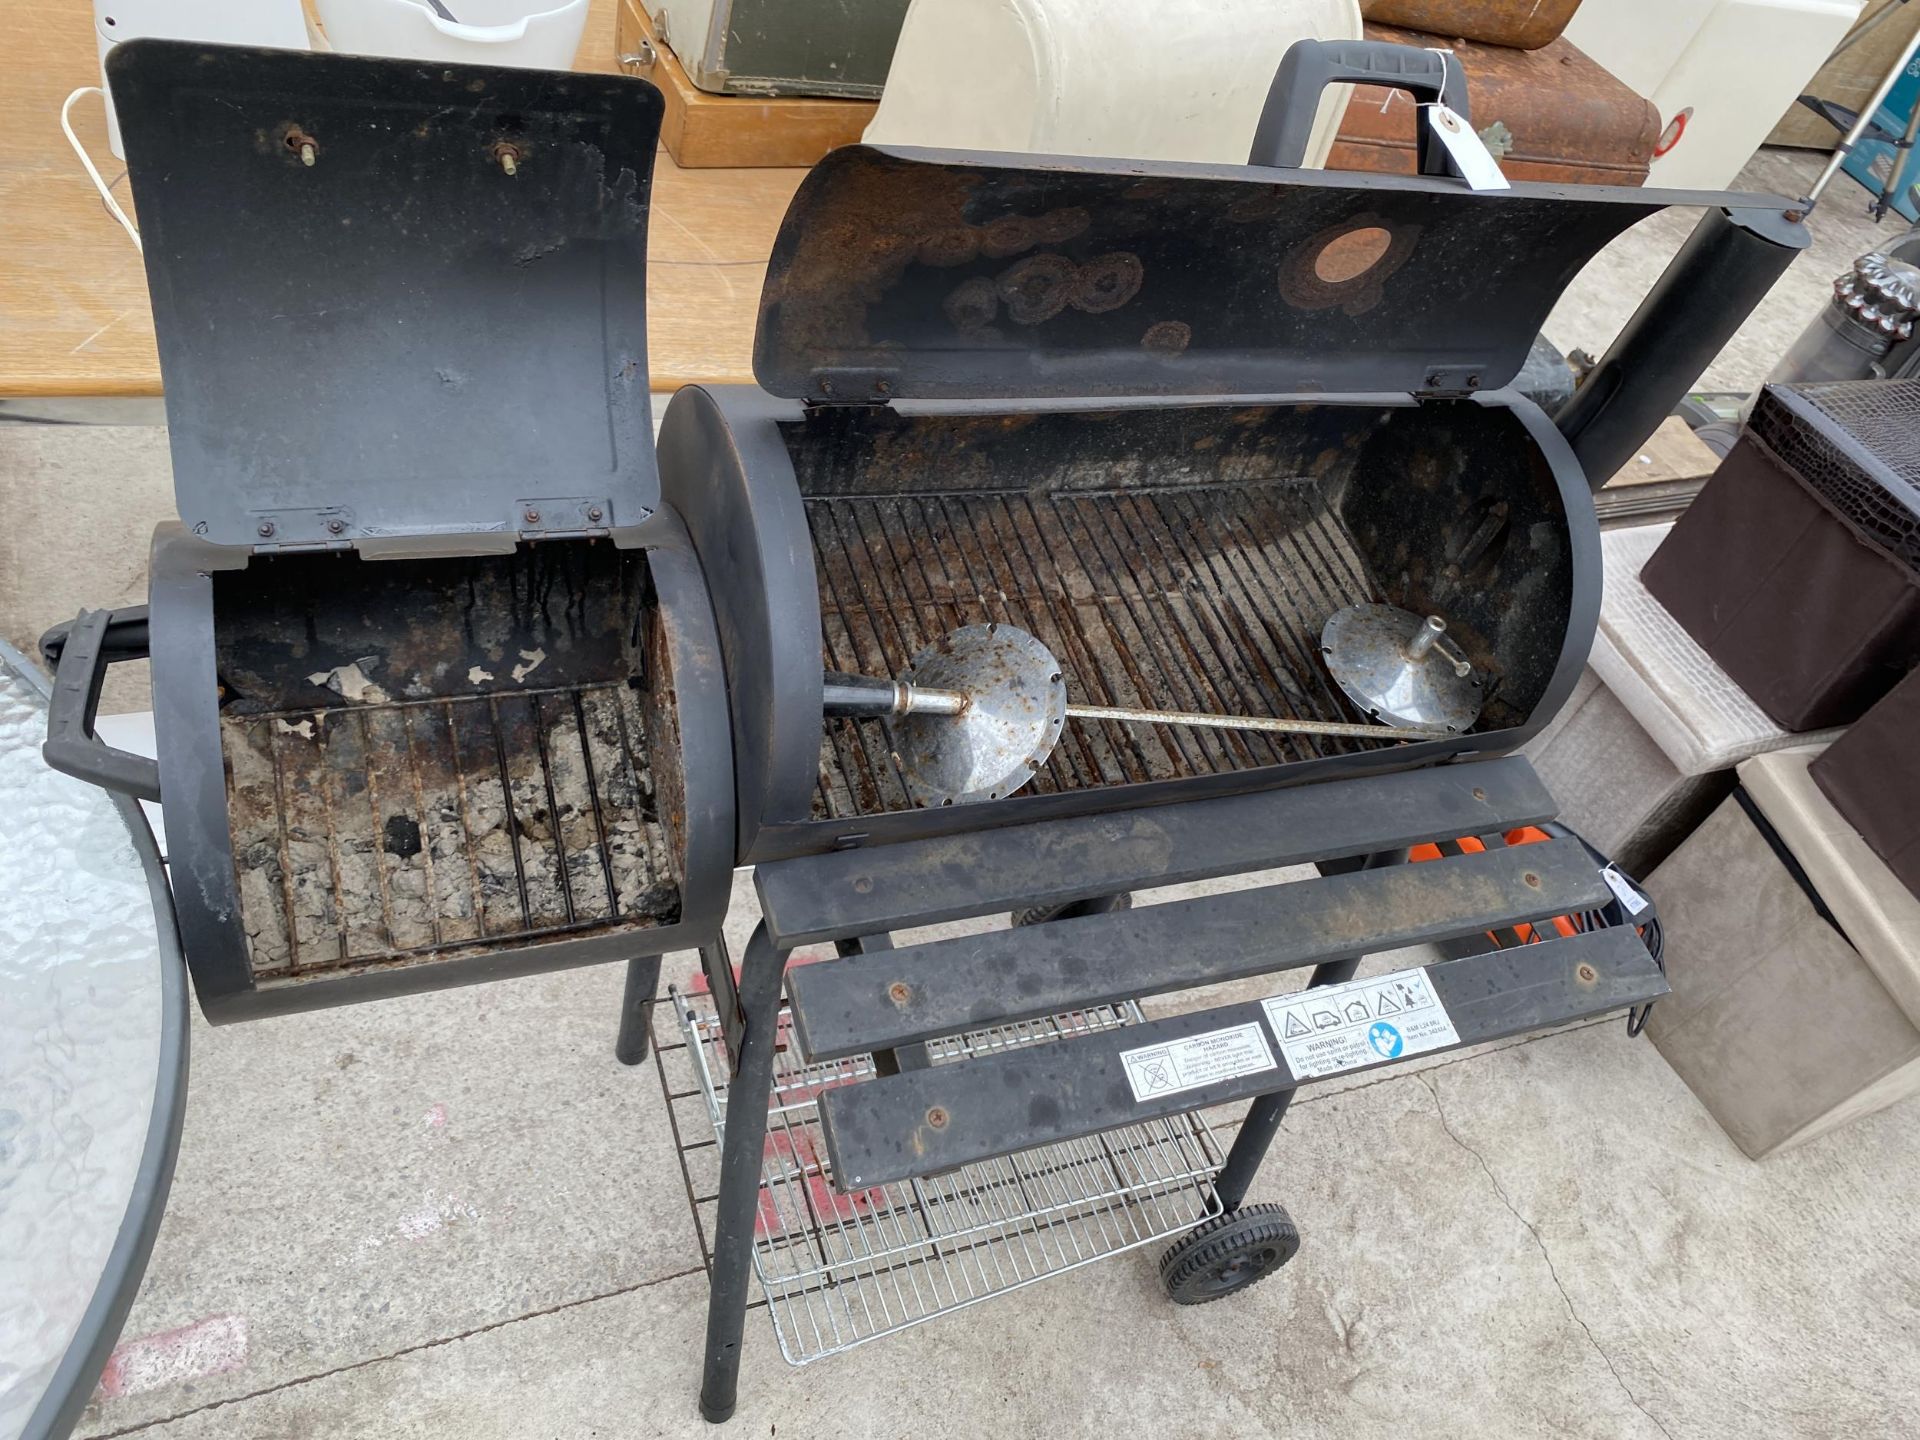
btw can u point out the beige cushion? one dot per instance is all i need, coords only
(1674, 689)
(1879, 914)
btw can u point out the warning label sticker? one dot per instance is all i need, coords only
(1364, 1022)
(1156, 1070)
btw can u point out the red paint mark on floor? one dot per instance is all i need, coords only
(436, 1116)
(211, 1346)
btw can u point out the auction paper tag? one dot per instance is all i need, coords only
(1469, 152)
(1206, 1059)
(1623, 890)
(1330, 1028)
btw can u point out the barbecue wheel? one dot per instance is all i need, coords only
(1228, 1253)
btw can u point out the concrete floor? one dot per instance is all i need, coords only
(459, 1216)
(456, 1215)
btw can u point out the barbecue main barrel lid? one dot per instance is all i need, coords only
(941, 273)
(394, 298)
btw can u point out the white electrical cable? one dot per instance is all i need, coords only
(113, 205)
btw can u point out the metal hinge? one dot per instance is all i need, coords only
(570, 517)
(296, 547)
(850, 387)
(277, 531)
(1450, 382)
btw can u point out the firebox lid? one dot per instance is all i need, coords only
(394, 298)
(944, 273)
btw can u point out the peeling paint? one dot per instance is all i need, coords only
(352, 682)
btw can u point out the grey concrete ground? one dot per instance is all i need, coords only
(456, 1215)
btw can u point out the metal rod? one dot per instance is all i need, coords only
(1862, 122)
(1281, 725)
(593, 799)
(636, 1009)
(428, 827)
(897, 699)
(506, 805)
(1431, 629)
(286, 853)
(1897, 165)
(558, 837)
(379, 837)
(752, 1053)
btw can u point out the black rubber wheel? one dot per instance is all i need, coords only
(1040, 914)
(1228, 1253)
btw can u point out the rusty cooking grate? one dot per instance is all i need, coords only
(408, 830)
(1188, 597)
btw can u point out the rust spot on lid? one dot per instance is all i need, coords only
(1008, 235)
(1056, 227)
(973, 305)
(946, 248)
(1167, 337)
(1038, 287)
(1107, 282)
(1325, 269)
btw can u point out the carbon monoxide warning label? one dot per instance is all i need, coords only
(1331, 1028)
(1166, 1069)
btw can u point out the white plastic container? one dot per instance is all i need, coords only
(1721, 72)
(530, 34)
(275, 23)
(1136, 79)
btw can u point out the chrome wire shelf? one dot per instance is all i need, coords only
(837, 1270)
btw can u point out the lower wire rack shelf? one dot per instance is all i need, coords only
(837, 1270)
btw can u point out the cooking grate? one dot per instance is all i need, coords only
(414, 829)
(1188, 597)
(840, 1269)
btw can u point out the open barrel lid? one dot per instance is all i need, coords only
(392, 297)
(944, 273)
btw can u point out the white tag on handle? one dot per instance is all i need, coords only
(1623, 891)
(1474, 161)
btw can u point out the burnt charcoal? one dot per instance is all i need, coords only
(414, 830)
(402, 837)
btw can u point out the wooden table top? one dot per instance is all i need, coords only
(74, 318)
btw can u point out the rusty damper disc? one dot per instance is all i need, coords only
(1017, 709)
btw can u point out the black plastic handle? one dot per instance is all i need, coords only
(1309, 66)
(81, 653)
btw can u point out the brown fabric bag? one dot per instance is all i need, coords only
(1872, 776)
(1792, 568)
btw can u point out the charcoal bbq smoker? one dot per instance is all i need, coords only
(1172, 422)
(454, 679)
(437, 690)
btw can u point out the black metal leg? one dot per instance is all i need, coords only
(636, 1009)
(761, 969)
(1249, 1147)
